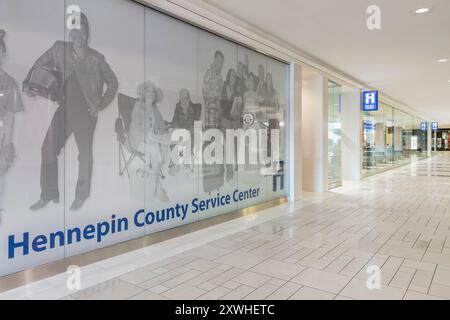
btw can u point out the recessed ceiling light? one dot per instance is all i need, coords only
(422, 10)
(442, 60)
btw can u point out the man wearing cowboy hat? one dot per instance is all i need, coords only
(84, 74)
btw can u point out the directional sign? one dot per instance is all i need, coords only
(434, 126)
(423, 126)
(370, 101)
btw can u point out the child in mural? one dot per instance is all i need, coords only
(83, 74)
(213, 174)
(231, 109)
(10, 102)
(149, 134)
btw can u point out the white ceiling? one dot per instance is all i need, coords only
(399, 60)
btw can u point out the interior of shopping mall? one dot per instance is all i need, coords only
(205, 150)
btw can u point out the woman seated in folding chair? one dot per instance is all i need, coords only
(186, 113)
(149, 134)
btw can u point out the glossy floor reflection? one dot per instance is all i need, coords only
(318, 248)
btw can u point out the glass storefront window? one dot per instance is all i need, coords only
(389, 134)
(422, 143)
(404, 125)
(434, 142)
(378, 141)
(391, 137)
(334, 135)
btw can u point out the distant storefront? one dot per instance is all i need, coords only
(442, 140)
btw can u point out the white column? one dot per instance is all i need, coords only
(295, 133)
(315, 131)
(351, 134)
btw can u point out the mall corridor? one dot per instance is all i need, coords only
(317, 248)
(206, 160)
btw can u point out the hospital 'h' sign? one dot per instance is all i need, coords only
(370, 101)
(423, 126)
(434, 126)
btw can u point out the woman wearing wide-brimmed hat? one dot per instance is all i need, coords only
(149, 134)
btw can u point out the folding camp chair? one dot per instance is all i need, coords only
(122, 127)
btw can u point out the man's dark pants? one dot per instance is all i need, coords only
(65, 123)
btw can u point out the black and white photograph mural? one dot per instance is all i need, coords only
(10, 103)
(90, 115)
(74, 75)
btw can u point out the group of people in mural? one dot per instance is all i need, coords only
(82, 83)
(228, 103)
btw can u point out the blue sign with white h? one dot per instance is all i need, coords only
(423, 126)
(370, 101)
(434, 126)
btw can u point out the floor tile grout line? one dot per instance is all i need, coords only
(432, 278)
(409, 284)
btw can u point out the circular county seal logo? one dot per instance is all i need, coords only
(248, 119)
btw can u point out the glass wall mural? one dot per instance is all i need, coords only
(120, 123)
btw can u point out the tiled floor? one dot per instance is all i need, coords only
(315, 249)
